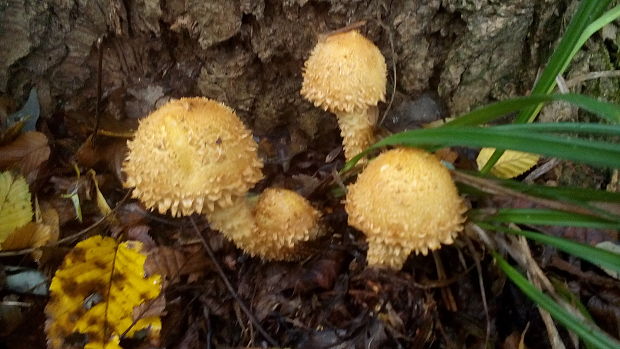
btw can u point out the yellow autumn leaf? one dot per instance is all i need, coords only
(95, 291)
(15, 207)
(30, 235)
(511, 164)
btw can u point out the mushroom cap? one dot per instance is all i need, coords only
(345, 72)
(405, 200)
(191, 155)
(284, 220)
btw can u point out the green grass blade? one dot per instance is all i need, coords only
(562, 54)
(606, 110)
(558, 62)
(546, 217)
(594, 255)
(589, 152)
(587, 331)
(563, 127)
(595, 26)
(576, 194)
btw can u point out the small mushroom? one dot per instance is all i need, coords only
(192, 155)
(346, 74)
(276, 227)
(404, 201)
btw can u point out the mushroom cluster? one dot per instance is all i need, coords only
(194, 155)
(346, 74)
(404, 201)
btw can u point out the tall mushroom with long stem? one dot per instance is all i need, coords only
(404, 201)
(194, 155)
(346, 74)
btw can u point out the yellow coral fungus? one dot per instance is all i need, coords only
(346, 74)
(190, 156)
(404, 201)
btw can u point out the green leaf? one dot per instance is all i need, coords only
(575, 194)
(523, 139)
(571, 42)
(586, 330)
(547, 217)
(606, 110)
(591, 254)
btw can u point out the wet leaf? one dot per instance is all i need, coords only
(102, 204)
(511, 164)
(29, 113)
(95, 292)
(8, 135)
(30, 235)
(25, 280)
(26, 154)
(15, 207)
(172, 263)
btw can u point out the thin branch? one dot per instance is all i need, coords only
(232, 291)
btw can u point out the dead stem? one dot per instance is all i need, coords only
(490, 187)
(483, 295)
(446, 293)
(232, 291)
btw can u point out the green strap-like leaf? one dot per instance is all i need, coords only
(591, 254)
(586, 330)
(574, 149)
(606, 110)
(535, 216)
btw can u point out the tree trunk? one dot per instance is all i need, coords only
(249, 54)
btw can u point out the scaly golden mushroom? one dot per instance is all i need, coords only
(404, 201)
(194, 155)
(275, 227)
(346, 74)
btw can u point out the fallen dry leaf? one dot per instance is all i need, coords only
(95, 291)
(31, 235)
(15, 207)
(173, 263)
(26, 154)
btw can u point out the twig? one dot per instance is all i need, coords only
(220, 271)
(490, 187)
(592, 75)
(347, 28)
(483, 295)
(541, 170)
(99, 73)
(446, 293)
(538, 279)
(394, 73)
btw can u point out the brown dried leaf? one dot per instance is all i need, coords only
(173, 263)
(50, 218)
(26, 153)
(31, 235)
(141, 233)
(153, 308)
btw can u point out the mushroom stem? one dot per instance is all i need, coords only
(383, 254)
(274, 227)
(236, 221)
(357, 130)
